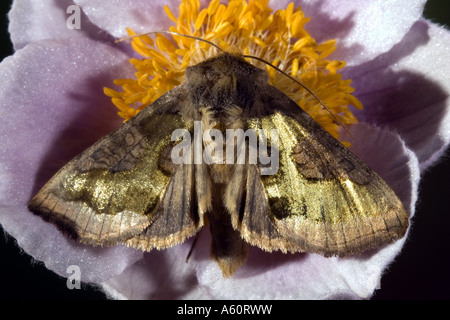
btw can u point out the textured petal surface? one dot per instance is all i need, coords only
(407, 90)
(363, 29)
(52, 109)
(31, 21)
(311, 276)
(160, 275)
(140, 15)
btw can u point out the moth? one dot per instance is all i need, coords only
(127, 189)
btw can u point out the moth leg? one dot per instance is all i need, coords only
(194, 243)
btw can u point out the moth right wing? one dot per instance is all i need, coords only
(322, 199)
(117, 188)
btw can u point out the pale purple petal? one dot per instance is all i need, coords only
(406, 89)
(31, 21)
(160, 275)
(311, 276)
(116, 15)
(52, 108)
(364, 29)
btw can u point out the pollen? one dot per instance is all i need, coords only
(279, 37)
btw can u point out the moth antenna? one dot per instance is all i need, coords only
(304, 87)
(173, 33)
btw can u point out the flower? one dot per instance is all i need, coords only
(53, 107)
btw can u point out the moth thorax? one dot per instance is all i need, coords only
(223, 81)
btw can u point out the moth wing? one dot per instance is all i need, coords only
(112, 191)
(322, 199)
(180, 215)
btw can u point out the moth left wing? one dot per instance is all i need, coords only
(117, 188)
(322, 199)
(180, 214)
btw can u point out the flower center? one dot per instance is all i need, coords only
(278, 38)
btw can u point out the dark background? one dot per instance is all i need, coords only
(421, 271)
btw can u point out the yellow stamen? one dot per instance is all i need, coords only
(250, 26)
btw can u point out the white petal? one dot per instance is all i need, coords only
(160, 275)
(31, 21)
(53, 108)
(407, 88)
(364, 29)
(115, 16)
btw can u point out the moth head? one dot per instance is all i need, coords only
(224, 66)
